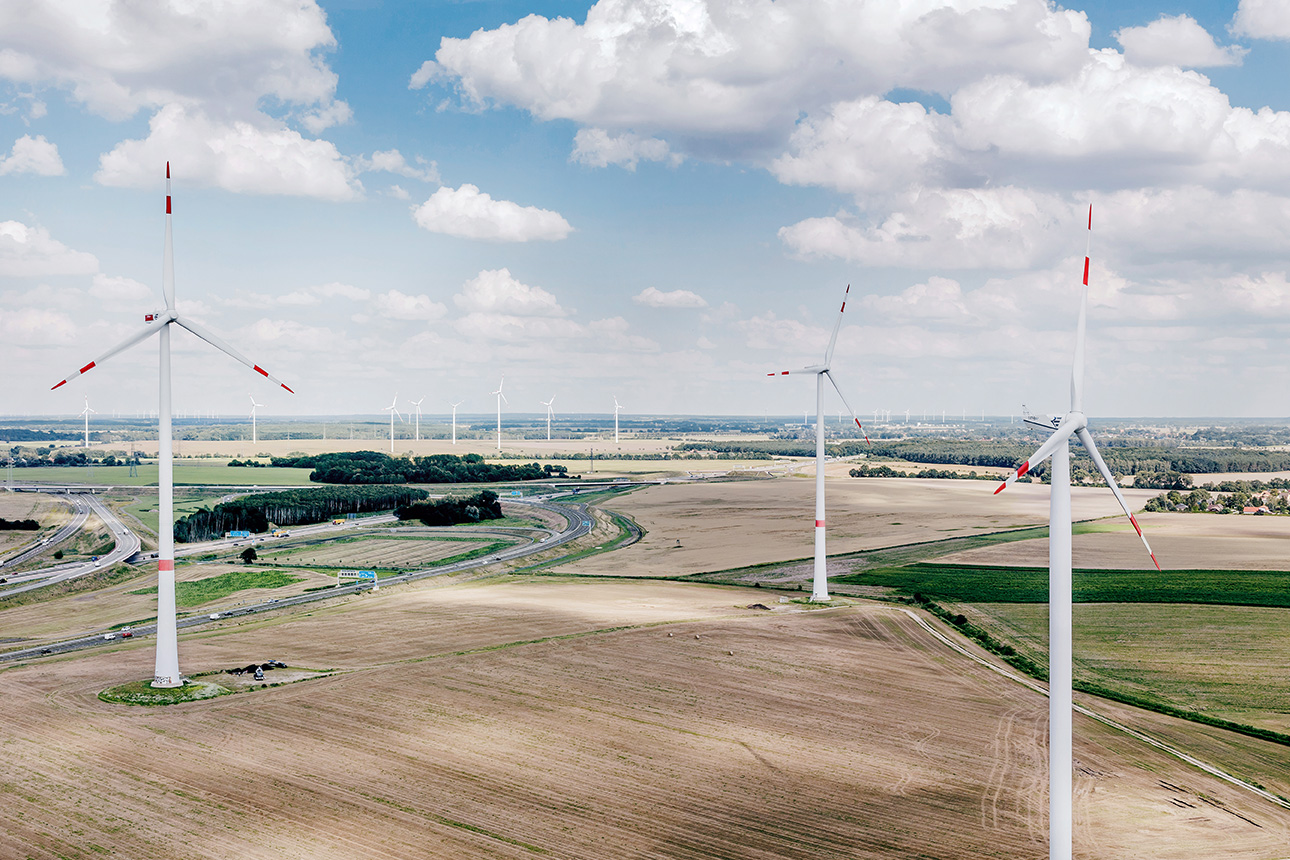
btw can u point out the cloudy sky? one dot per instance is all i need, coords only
(660, 200)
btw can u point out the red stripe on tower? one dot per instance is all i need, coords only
(166, 564)
(819, 524)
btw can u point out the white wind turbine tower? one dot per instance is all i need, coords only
(166, 672)
(617, 409)
(254, 406)
(86, 412)
(393, 410)
(500, 398)
(820, 586)
(416, 404)
(1073, 423)
(454, 420)
(549, 413)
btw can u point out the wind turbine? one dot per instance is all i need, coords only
(617, 409)
(454, 420)
(1073, 423)
(500, 398)
(254, 406)
(393, 410)
(166, 672)
(820, 585)
(417, 405)
(86, 412)
(549, 412)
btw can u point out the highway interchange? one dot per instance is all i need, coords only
(578, 522)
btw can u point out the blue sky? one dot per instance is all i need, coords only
(658, 200)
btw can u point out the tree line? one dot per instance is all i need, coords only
(372, 467)
(257, 512)
(18, 525)
(452, 510)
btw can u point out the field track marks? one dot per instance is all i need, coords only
(1107, 721)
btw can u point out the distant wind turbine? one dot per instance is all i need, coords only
(1073, 423)
(549, 412)
(617, 409)
(86, 412)
(820, 585)
(454, 420)
(254, 406)
(393, 409)
(166, 672)
(416, 404)
(500, 398)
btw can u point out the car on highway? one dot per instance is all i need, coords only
(214, 616)
(109, 635)
(127, 633)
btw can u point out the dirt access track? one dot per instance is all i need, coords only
(587, 720)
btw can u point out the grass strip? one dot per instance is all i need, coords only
(195, 592)
(101, 578)
(998, 584)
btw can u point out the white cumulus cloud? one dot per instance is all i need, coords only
(33, 155)
(598, 148)
(401, 306)
(469, 213)
(1262, 19)
(497, 291)
(654, 298)
(1176, 40)
(243, 156)
(120, 290)
(31, 251)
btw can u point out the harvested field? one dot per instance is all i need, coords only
(1191, 541)
(782, 734)
(49, 511)
(726, 525)
(401, 553)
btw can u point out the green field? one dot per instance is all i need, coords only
(988, 584)
(213, 471)
(198, 591)
(1224, 661)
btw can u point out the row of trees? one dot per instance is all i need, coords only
(372, 467)
(257, 512)
(18, 525)
(866, 471)
(452, 510)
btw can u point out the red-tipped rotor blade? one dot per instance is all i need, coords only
(1060, 437)
(847, 405)
(219, 344)
(828, 356)
(1087, 439)
(122, 346)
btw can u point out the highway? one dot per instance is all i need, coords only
(126, 545)
(578, 521)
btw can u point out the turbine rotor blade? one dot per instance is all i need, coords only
(1060, 437)
(828, 355)
(1077, 364)
(168, 255)
(221, 345)
(1087, 439)
(123, 345)
(848, 406)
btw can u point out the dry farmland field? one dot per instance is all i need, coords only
(409, 552)
(621, 718)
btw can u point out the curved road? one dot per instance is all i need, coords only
(80, 513)
(578, 522)
(126, 545)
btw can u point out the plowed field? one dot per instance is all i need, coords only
(561, 719)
